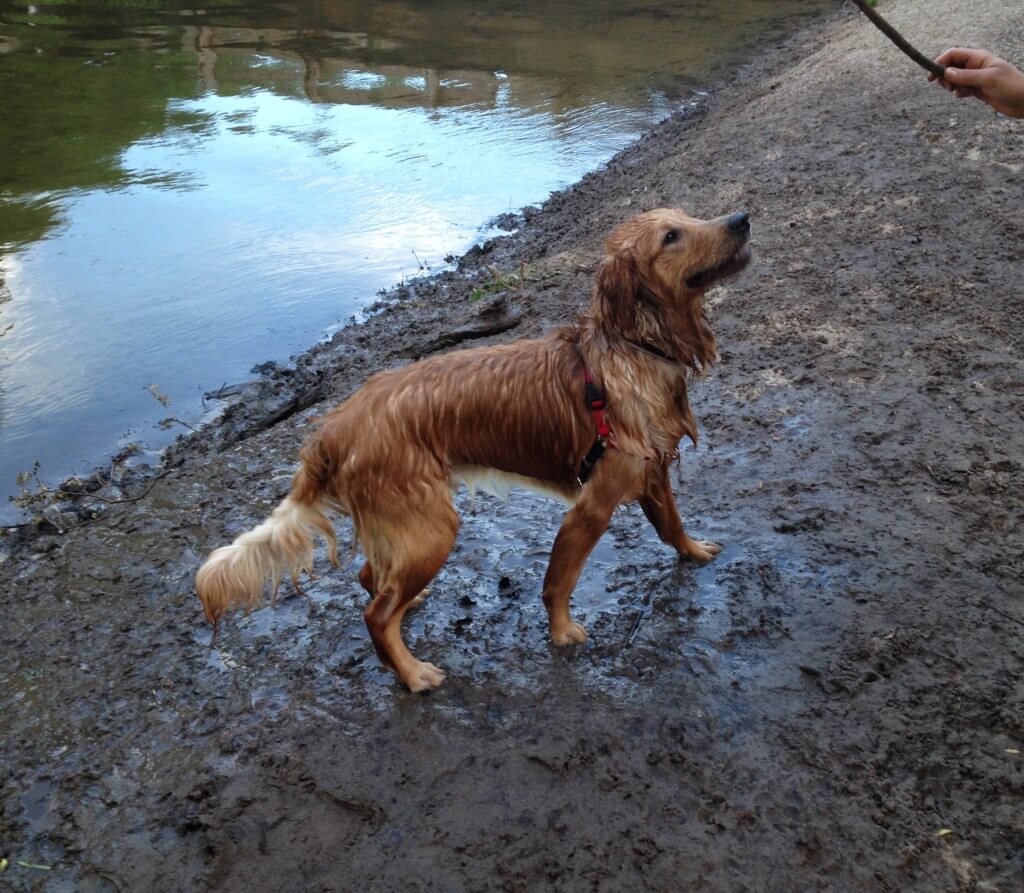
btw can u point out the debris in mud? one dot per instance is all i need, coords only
(812, 521)
(227, 391)
(492, 318)
(34, 866)
(159, 395)
(266, 368)
(78, 501)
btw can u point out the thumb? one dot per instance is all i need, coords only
(965, 77)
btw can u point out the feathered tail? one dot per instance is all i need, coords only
(236, 575)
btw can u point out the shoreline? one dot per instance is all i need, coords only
(282, 390)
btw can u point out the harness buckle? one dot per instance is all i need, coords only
(605, 436)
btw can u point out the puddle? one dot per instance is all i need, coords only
(485, 623)
(36, 803)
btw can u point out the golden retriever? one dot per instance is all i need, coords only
(592, 414)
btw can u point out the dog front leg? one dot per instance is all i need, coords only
(578, 535)
(659, 505)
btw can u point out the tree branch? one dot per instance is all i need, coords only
(938, 70)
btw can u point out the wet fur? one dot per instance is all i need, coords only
(388, 457)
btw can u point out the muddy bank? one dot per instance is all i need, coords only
(834, 703)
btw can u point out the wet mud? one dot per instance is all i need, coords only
(834, 703)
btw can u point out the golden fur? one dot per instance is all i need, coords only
(388, 456)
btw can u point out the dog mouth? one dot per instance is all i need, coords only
(733, 265)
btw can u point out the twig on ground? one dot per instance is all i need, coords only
(987, 604)
(106, 875)
(68, 494)
(164, 424)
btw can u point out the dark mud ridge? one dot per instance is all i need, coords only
(834, 703)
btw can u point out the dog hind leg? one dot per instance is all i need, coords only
(415, 552)
(366, 577)
(366, 581)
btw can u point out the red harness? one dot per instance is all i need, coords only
(597, 403)
(605, 436)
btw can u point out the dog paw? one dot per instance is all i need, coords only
(573, 634)
(702, 550)
(424, 677)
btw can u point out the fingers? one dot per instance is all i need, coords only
(971, 78)
(985, 76)
(961, 57)
(966, 69)
(959, 92)
(947, 84)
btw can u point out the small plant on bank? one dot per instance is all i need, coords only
(510, 281)
(61, 506)
(165, 402)
(34, 493)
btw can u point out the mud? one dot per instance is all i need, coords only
(834, 703)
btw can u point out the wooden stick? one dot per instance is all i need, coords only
(938, 70)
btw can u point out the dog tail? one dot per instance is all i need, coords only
(236, 575)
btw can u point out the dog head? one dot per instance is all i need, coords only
(659, 264)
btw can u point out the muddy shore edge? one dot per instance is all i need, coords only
(835, 702)
(423, 315)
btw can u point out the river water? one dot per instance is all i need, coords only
(186, 192)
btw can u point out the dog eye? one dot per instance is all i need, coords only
(671, 236)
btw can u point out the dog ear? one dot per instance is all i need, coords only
(618, 290)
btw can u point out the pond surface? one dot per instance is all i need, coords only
(185, 192)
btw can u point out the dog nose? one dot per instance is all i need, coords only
(739, 223)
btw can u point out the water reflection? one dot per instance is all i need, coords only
(185, 192)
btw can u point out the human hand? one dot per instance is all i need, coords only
(985, 76)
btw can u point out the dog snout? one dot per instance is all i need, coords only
(739, 224)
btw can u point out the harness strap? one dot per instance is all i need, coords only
(589, 461)
(597, 404)
(654, 351)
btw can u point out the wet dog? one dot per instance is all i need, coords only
(591, 414)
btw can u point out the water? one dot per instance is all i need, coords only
(186, 192)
